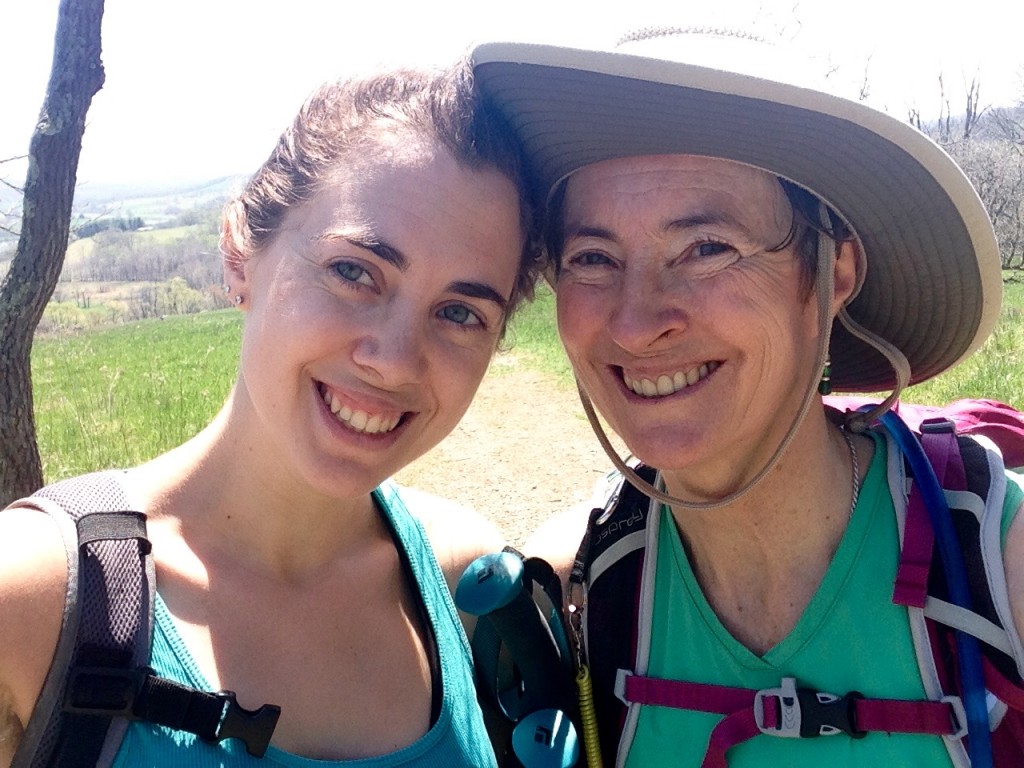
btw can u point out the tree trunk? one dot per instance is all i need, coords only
(76, 76)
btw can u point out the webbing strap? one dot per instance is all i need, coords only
(1001, 687)
(114, 526)
(938, 439)
(789, 711)
(911, 586)
(138, 694)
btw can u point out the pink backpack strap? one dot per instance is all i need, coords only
(790, 712)
(938, 438)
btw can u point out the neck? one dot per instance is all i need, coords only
(217, 493)
(760, 558)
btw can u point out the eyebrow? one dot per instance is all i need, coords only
(586, 231)
(676, 225)
(368, 241)
(478, 291)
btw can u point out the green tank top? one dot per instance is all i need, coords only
(456, 739)
(851, 637)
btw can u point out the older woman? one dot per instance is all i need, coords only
(376, 257)
(707, 226)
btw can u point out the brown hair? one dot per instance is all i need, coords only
(341, 118)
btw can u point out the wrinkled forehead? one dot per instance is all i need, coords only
(675, 186)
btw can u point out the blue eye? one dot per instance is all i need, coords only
(711, 249)
(590, 259)
(352, 272)
(459, 314)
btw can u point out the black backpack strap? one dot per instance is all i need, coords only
(107, 616)
(610, 563)
(99, 679)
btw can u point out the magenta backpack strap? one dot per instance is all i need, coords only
(790, 711)
(938, 438)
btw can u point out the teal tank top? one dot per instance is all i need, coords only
(456, 738)
(851, 637)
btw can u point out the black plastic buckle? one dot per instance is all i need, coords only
(825, 714)
(254, 727)
(805, 714)
(106, 691)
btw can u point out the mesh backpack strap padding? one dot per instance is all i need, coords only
(107, 622)
(613, 596)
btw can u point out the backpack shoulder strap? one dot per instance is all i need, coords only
(610, 563)
(971, 474)
(99, 679)
(102, 626)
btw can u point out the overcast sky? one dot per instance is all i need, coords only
(198, 89)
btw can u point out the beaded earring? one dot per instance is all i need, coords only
(825, 385)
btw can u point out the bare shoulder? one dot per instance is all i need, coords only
(33, 579)
(558, 539)
(457, 534)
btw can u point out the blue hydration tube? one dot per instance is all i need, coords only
(969, 653)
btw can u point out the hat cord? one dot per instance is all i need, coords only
(854, 421)
(857, 421)
(825, 290)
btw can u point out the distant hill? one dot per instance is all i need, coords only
(156, 202)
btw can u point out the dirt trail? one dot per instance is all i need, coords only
(523, 451)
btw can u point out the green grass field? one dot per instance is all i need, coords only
(122, 395)
(118, 396)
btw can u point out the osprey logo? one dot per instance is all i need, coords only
(635, 518)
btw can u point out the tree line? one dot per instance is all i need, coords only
(988, 144)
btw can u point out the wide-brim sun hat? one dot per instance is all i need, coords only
(932, 282)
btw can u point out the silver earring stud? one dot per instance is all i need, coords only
(226, 288)
(238, 299)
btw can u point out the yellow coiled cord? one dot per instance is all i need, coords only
(588, 718)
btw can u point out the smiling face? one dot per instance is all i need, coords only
(693, 336)
(373, 314)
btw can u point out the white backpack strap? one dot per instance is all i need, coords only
(992, 549)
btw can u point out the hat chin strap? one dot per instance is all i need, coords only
(857, 422)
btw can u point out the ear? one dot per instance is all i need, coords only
(233, 251)
(847, 271)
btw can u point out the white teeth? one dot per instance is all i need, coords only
(667, 385)
(360, 421)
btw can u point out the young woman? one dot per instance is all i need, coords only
(376, 256)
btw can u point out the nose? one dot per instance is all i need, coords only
(646, 315)
(391, 348)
